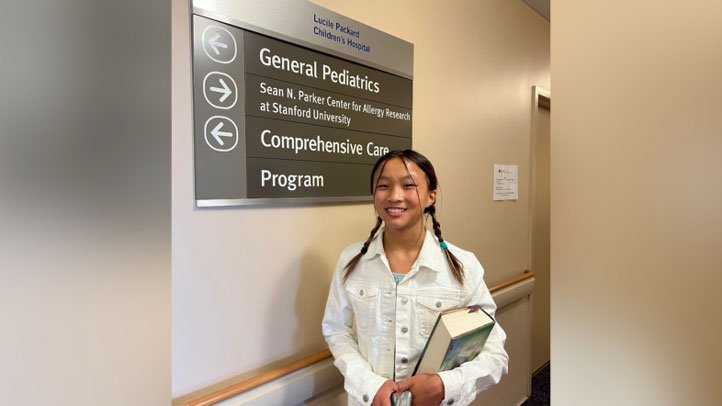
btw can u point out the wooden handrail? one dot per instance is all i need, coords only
(526, 275)
(258, 380)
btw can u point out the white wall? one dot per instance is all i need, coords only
(249, 284)
(636, 195)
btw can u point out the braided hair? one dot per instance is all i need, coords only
(352, 263)
(457, 269)
(424, 164)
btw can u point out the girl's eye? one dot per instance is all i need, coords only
(410, 185)
(382, 187)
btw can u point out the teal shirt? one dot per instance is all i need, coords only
(398, 277)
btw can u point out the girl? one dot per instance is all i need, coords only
(387, 292)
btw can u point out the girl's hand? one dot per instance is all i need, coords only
(426, 389)
(383, 396)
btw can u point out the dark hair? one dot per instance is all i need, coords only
(457, 269)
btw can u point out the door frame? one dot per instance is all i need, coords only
(540, 98)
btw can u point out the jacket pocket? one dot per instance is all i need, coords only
(363, 300)
(431, 304)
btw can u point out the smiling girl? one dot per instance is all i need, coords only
(387, 292)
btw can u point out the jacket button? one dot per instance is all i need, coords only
(404, 360)
(404, 329)
(361, 292)
(450, 402)
(438, 304)
(366, 398)
(404, 300)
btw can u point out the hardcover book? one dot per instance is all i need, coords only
(458, 336)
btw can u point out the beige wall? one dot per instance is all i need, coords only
(249, 284)
(636, 174)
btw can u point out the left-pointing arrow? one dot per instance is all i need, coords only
(215, 44)
(217, 133)
(225, 91)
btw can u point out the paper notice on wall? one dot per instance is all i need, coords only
(506, 182)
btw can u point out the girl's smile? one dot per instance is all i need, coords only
(395, 211)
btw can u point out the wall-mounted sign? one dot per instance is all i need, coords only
(296, 112)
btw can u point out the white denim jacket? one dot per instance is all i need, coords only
(376, 330)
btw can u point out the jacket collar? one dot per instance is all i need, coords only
(430, 256)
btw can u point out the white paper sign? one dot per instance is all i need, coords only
(506, 182)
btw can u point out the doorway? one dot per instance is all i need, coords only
(539, 226)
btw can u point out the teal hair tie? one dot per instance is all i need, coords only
(443, 245)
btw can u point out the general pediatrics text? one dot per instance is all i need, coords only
(311, 69)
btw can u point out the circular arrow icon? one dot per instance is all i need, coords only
(218, 87)
(219, 44)
(220, 133)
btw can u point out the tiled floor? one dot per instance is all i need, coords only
(540, 388)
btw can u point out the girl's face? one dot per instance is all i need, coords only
(401, 194)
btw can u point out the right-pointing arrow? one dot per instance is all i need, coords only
(217, 133)
(225, 90)
(215, 44)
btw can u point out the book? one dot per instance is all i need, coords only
(458, 336)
